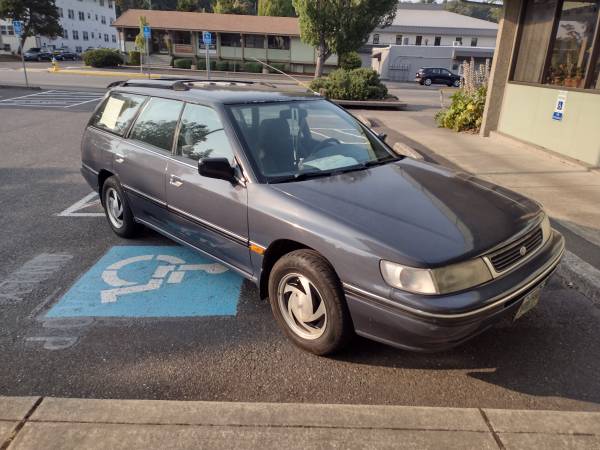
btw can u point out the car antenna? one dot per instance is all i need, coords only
(286, 74)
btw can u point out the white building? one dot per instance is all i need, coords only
(86, 23)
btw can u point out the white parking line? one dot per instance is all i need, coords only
(53, 99)
(91, 199)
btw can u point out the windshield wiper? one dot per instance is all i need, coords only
(299, 176)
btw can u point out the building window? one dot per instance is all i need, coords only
(11, 30)
(114, 38)
(405, 41)
(110, 4)
(89, 15)
(3, 30)
(555, 44)
(71, 14)
(65, 33)
(103, 20)
(92, 35)
(458, 40)
(85, 36)
(254, 41)
(81, 15)
(105, 37)
(78, 49)
(60, 12)
(182, 37)
(375, 39)
(473, 42)
(418, 40)
(130, 34)
(96, 17)
(437, 41)
(75, 35)
(279, 42)
(231, 40)
(398, 39)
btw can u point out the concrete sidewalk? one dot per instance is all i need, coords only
(55, 423)
(570, 192)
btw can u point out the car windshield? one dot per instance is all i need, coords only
(291, 141)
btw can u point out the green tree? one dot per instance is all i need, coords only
(187, 5)
(281, 8)
(487, 10)
(39, 17)
(234, 7)
(140, 40)
(340, 26)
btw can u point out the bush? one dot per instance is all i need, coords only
(350, 60)
(183, 63)
(252, 67)
(134, 58)
(278, 66)
(102, 57)
(222, 65)
(356, 84)
(465, 112)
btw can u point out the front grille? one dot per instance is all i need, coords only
(517, 251)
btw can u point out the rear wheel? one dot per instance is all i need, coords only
(117, 210)
(427, 82)
(308, 302)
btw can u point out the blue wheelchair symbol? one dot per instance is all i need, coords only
(152, 281)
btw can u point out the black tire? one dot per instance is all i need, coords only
(428, 82)
(456, 83)
(129, 227)
(338, 329)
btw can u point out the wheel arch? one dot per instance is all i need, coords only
(103, 175)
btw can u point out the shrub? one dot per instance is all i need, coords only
(183, 63)
(356, 84)
(350, 60)
(278, 66)
(102, 57)
(465, 112)
(134, 58)
(222, 65)
(252, 67)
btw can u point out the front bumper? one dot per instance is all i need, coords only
(425, 323)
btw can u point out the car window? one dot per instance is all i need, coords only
(156, 124)
(436, 71)
(201, 135)
(117, 112)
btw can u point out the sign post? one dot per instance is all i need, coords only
(18, 29)
(147, 35)
(207, 40)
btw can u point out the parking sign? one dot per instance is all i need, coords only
(147, 32)
(207, 37)
(18, 27)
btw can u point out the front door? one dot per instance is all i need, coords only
(208, 213)
(141, 160)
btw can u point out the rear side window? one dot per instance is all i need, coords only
(202, 135)
(117, 112)
(156, 124)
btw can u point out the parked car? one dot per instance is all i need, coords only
(64, 54)
(437, 75)
(37, 54)
(341, 234)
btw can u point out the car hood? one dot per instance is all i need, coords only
(421, 213)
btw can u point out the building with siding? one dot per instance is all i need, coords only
(235, 37)
(545, 83)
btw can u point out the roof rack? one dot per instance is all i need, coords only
(174, 84)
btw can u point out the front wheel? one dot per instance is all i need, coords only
(456, 83)
(427, 81)
(117, 210)
(308, 302)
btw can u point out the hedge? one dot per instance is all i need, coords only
(356, 84)
(134, 58)
(350, 61)
(102, 57)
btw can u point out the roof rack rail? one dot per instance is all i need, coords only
(161, 83)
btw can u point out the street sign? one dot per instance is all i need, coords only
(18, 27)
(147, 32)
(559, 108)
(206, 37)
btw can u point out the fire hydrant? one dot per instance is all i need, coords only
(55, 67)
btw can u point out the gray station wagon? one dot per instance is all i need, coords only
(339, 232)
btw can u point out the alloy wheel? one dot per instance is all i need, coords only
(114, 207)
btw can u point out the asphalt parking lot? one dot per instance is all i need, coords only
(87, 314)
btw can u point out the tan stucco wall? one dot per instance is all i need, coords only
(527, 115)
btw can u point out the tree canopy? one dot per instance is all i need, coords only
(234, 7)
(283, 8)
(487, 10)
(39, 17)
(341, 26)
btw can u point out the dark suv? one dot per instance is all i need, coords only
(296, 195)
(437, 75)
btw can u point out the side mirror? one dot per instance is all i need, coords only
(216, 168)
(382, 136)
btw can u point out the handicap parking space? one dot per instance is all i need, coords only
(151, 281)
(59, 99)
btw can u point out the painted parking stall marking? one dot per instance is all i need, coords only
(54, 99)
(88, 206)
(152, 281)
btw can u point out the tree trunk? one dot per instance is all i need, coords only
(322, 54)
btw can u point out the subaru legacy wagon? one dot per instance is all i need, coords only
(341, 234)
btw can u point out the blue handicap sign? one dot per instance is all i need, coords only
(152, 281)
(207, 37)
(147, 32)
(17, 27)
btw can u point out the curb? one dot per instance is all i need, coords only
(98, 73)
(577, 274)
(18, 86)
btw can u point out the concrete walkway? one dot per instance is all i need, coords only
(55, 423)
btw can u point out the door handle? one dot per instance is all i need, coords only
(175, 181)
(119, 158)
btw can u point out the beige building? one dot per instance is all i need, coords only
(545, 86)
(235, 37)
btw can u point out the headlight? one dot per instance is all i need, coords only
(441, 280)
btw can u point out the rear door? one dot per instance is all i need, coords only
(208, 213)
(141, 160)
